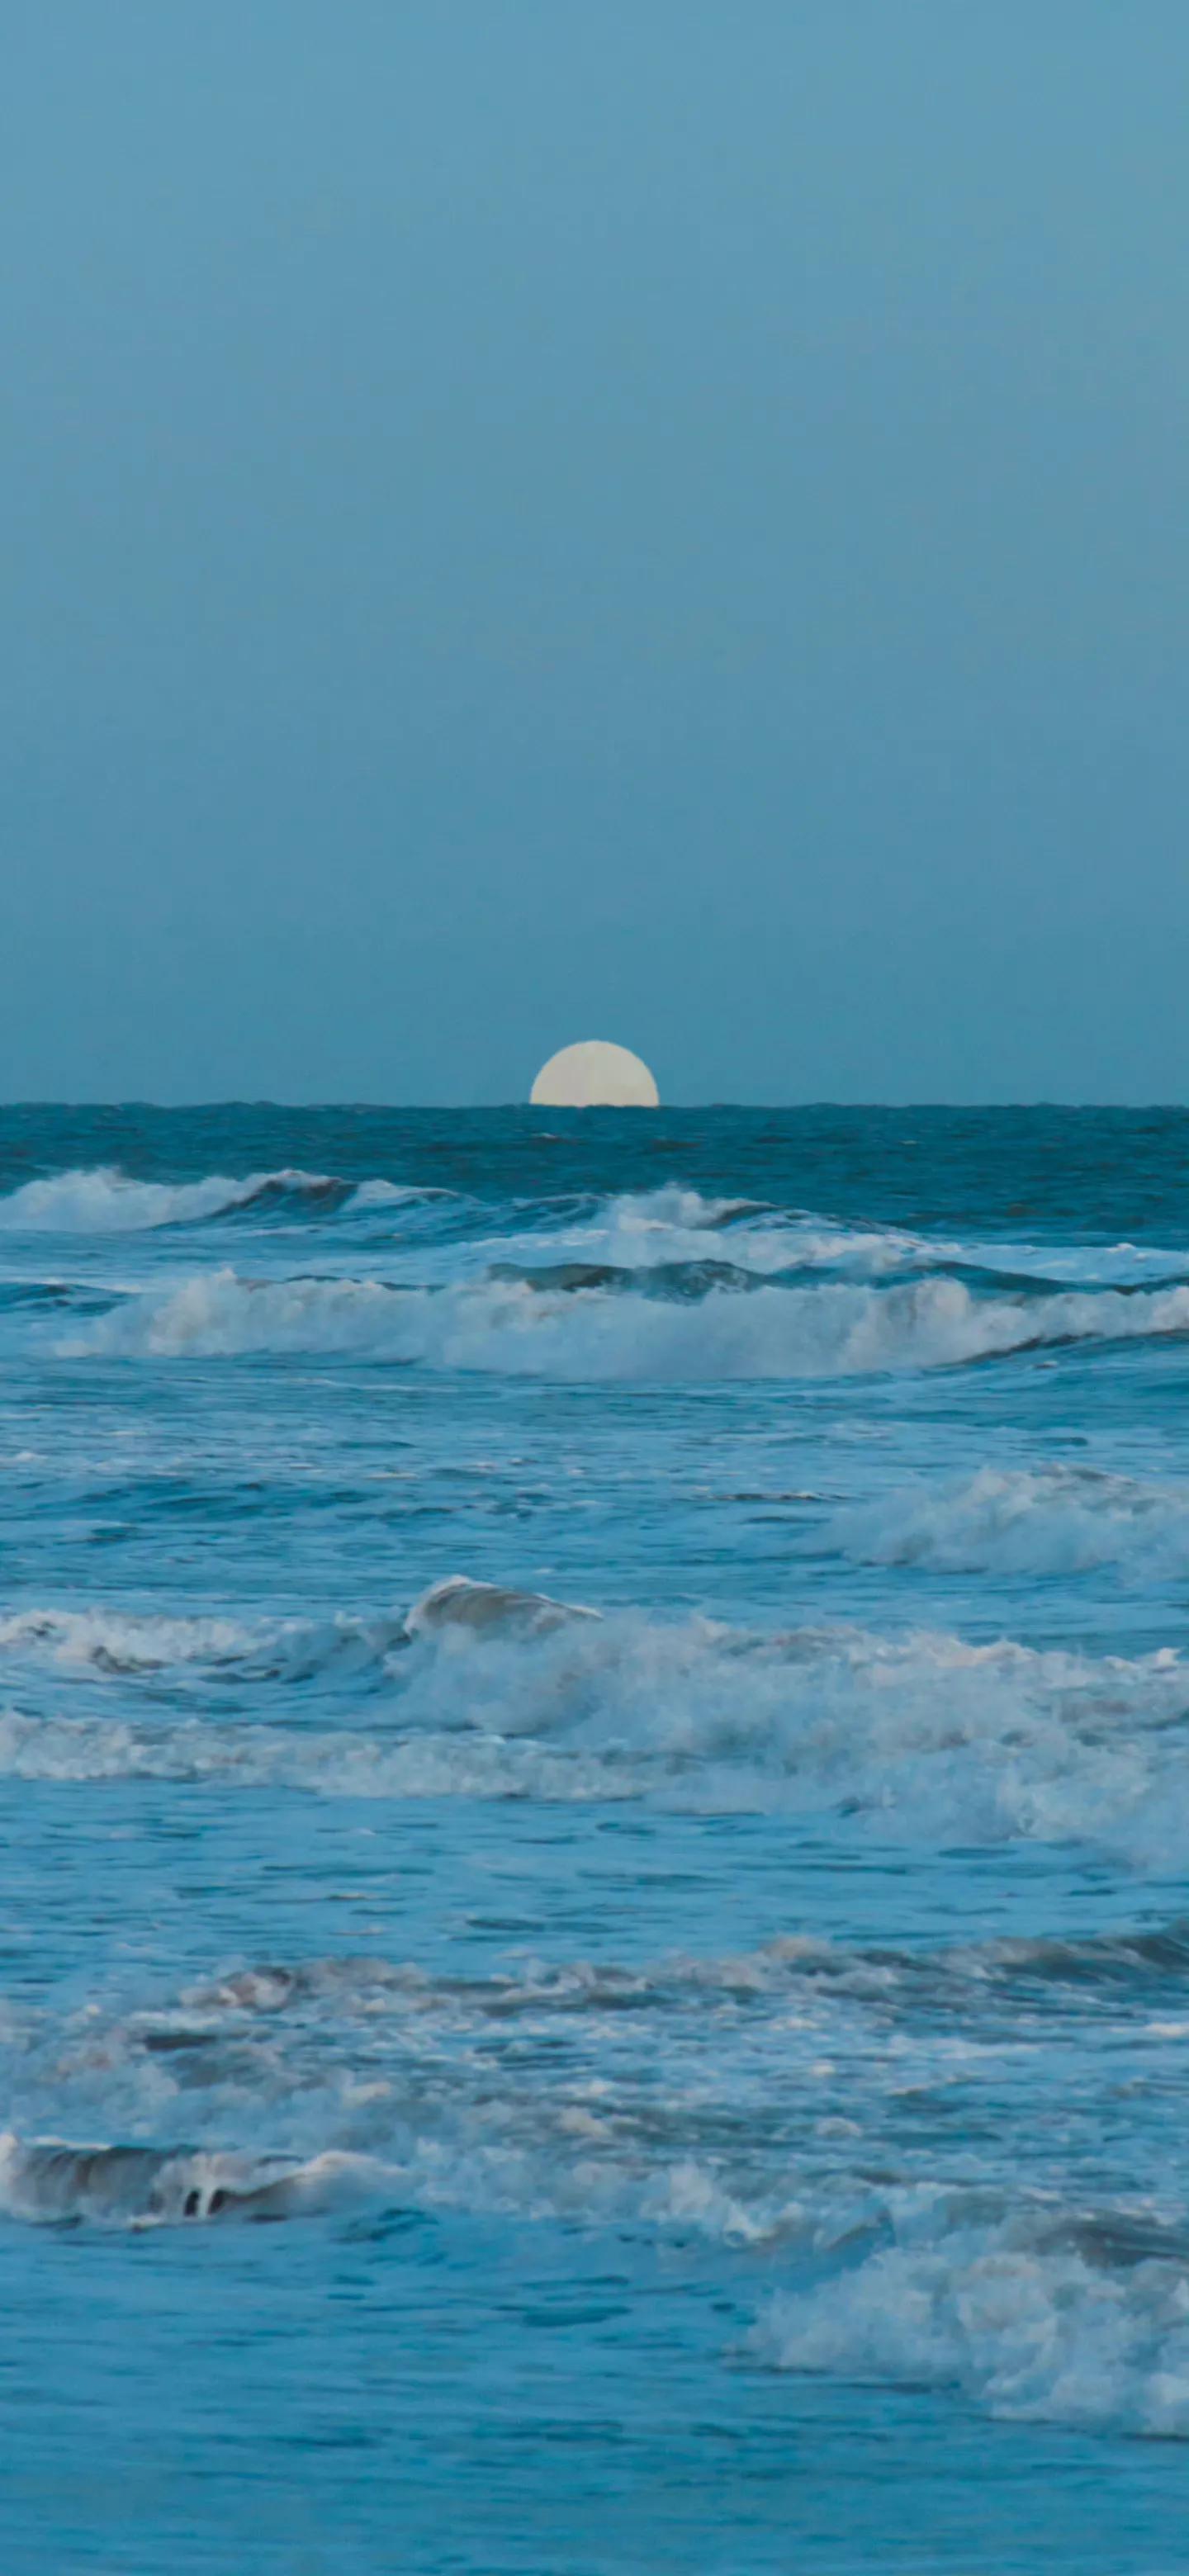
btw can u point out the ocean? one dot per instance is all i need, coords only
(594, 1747)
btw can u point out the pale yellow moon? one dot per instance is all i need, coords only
(594, 1075)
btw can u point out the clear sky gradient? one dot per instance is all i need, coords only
(660, 521)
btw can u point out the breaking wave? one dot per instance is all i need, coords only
(674, 1229)
(1037, 2313)
(121, 1642)
(1133, 1965)
(490, 1694)
(106, 1201)
(737, 2101)
(124, 1643)
(1055, 1520)
(835, 1329)
(47, 2181)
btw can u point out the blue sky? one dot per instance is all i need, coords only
(660, 522)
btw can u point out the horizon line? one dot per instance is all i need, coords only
(500, 1108)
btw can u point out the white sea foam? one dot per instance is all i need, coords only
(683, 2097)
(923, 1738)
(456, 1240)
(126, 1642)
(106, 1201)
(48, 2180)
(836, 1328)
(129, 1642)
(671, 1226)
(766, 2099)
(1120, 1966)
(115, 1642)
(339, 1765)
(1035, 2316)
(1107, 1265)
(630, 1230)
(1052, 1520)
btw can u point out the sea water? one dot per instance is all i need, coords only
(594, 1747)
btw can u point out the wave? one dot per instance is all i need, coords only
(461, 1603)
(920, 1739)
(1055, 1520)
(628, 1231)
(106, 1201)
(582, 1335)
(126, 1643)
(129, 1643)
(672, 1227)
(339, 1765)
(1036, 2313)
(742, 2100)
(48, 2181)
(103, 1199)
(1101, 1961)
(1135, 1964)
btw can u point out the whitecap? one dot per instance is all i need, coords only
(1037, 2314)
(1049, 1520)
(106, 1201)
(924, 1736)
(838, 1328)
(49, 2180)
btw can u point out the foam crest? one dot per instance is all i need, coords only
(106, 1201)
(126, 1643)
(835, 1329)
(644, 1228)
(923, 1738)
(333, 1765)
(1054, 1520)
(1129, 1968)
(1036, 2315)
(115, 1642)
(48, 2181)
(673, 1228)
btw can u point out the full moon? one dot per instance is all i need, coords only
(594, 1075)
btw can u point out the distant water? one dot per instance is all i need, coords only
(716, 2068)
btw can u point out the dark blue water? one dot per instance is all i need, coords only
(595, 1767)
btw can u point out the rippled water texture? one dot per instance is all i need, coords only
(594, 1741)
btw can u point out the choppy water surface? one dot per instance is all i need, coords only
(594, 1722)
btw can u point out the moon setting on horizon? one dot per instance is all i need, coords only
(594, 1075)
